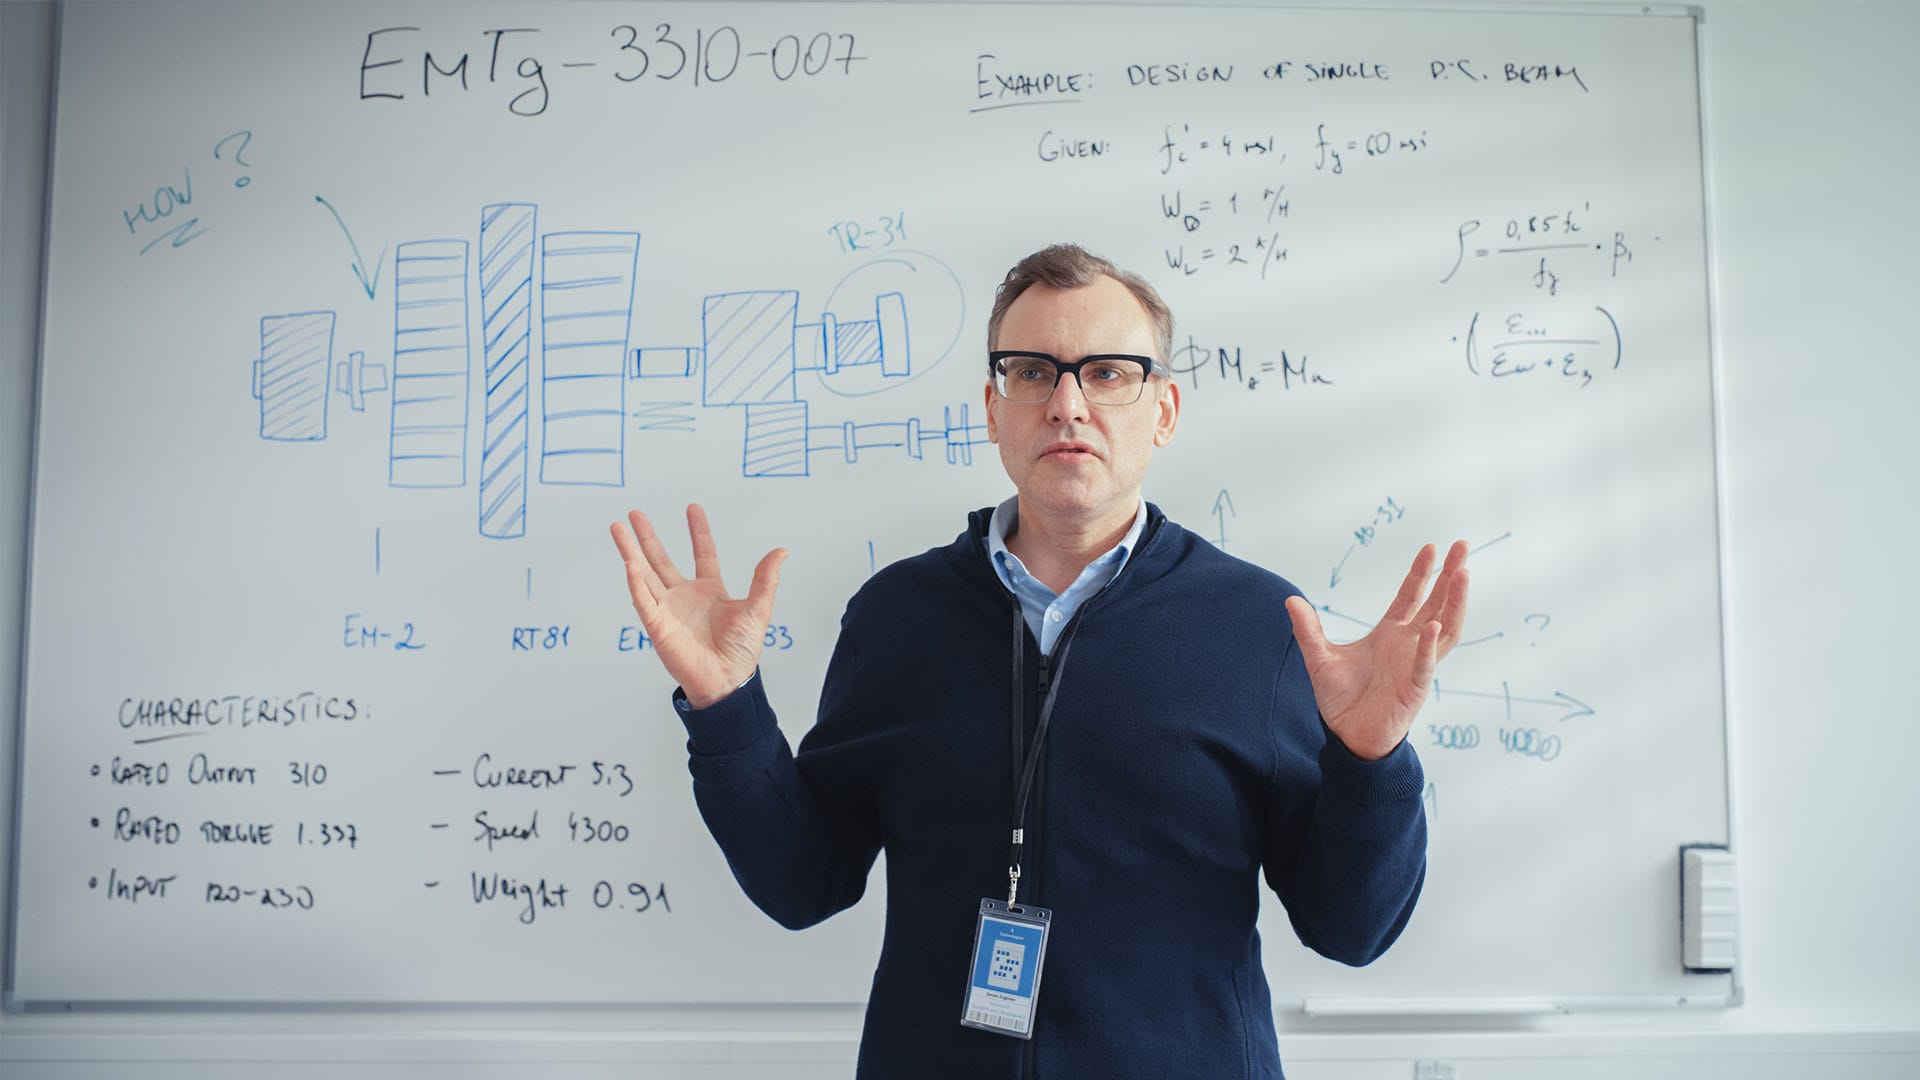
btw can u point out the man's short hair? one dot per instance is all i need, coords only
(1070, 266)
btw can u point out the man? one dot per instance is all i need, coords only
(1181, 751)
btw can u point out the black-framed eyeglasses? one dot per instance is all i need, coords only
(1104, 378)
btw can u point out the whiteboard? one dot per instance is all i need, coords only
(363, 321)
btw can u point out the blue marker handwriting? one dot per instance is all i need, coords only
(358, 633)
(853, 236)
(541, 638)
(171, 205)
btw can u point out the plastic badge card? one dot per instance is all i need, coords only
(1008, 947)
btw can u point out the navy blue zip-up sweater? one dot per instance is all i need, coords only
(1185, 757)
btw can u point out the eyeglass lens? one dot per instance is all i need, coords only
(1104, 380)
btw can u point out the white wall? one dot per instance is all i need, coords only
(1809, 109)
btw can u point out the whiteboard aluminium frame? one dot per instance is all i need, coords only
(8, 1001)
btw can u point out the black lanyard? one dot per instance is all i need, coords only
(1026, 759)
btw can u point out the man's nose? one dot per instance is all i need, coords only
(1069, 399)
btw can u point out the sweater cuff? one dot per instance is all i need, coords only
(729, 725)
(1393, 778)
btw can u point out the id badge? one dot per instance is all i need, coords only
(1009, 945)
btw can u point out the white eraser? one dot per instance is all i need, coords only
(1707, 908)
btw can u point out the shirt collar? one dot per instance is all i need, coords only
(1007, 515)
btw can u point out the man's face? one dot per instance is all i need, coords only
(1067, 456)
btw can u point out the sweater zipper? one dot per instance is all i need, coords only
(1030, 1057)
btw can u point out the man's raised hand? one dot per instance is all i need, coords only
(709, 642)
(1370, 690)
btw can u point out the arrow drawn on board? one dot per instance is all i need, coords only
(359, 263)
(1490, 543)
(1335, 579)
(1560, 700)
(1220, 501)
(1343, 615)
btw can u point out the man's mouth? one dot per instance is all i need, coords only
(1070, 451)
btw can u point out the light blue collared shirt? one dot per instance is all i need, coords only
(1046, 613)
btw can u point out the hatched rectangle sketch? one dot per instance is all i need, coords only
(431, 358)
(292, 375)
(776, 443)
(856, 343)
(586, 303)
(506, 337)
(748, 339)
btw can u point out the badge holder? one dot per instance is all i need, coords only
(1010, 940)
(1009, 946)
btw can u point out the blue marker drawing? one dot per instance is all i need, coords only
(664, 416)
(586, 303)
(359, 264)
(917, 281)
(291, 377)
(970, 435)
(776, 441)
(431, 357)
(1560, 700)
(834, 345)
(1482, 547)
(676, 362)
(240, 158)
(753, 347)
(748, 343)
(166, 199)
(356, 378)
(780, 442)
(659, 364)
(506, 334)
(1222, 507)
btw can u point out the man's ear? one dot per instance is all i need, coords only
(1166, 413)
(993, 419)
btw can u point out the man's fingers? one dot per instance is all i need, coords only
(1453, 613)
(641, 580)
(1307, 631)
(766, 579)
(1426, 656)
(706, 557)
(1409, 595)
(653, 551)
(623, 540)
(1456, 559)
(645, 589)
